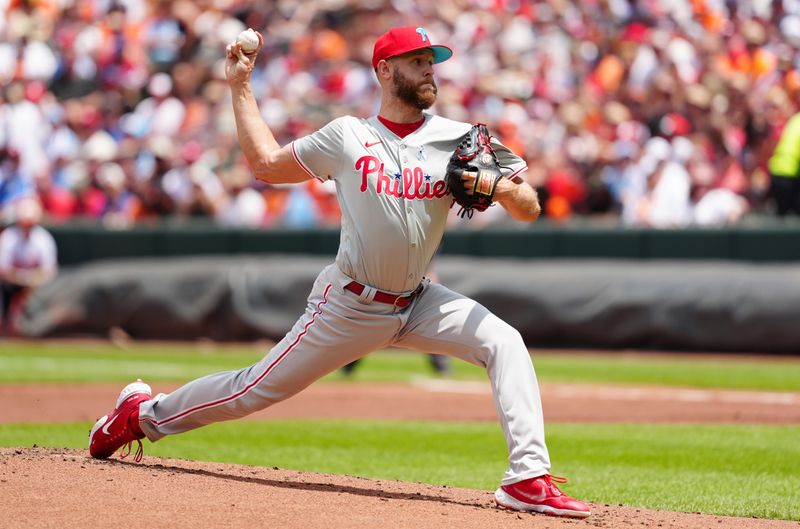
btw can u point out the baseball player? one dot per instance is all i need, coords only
(389, 175)
(28, 260)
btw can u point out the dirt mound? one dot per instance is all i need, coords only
(44, 488)
(58, 488)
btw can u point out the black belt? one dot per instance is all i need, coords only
(384, 297)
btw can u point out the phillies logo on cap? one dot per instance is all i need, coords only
(405, 39)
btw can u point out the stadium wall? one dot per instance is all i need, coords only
(775, 243)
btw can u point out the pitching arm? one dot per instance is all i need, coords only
(267, 159)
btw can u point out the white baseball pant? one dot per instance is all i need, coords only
(339, 327)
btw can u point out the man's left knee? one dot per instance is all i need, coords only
(509, 337)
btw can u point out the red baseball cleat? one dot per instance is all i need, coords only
(540, 495)
(121, 427)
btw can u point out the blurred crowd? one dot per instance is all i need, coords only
(655, 112)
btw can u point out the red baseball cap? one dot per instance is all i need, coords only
(404, 39)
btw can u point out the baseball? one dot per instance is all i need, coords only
(249, 40)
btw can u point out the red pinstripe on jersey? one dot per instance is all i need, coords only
(304, 166)
(515, 173)
(260, 377)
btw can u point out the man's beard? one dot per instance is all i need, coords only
(410, 93)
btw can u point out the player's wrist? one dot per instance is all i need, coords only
(240, 84)
(242, 93)
(504, 189)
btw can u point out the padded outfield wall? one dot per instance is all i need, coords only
(699, 290)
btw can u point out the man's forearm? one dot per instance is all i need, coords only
(255, 138)
(29, 278)
(520, 200)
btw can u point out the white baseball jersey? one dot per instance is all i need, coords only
(392, 192)
(394, 203)
(35, 253)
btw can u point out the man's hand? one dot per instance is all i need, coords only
(239, 64)
(504, 185)
(517, 197)
(472, 173)
(468, 178)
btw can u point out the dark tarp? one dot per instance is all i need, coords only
(697, 306)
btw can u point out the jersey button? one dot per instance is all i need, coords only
(413, 245)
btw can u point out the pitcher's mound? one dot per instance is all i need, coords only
(42, 488)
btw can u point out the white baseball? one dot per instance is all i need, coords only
(249, 40)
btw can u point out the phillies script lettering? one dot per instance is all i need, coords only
(412, 185)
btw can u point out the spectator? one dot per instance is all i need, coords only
(27, 260)
(719, 207)
(579, 88)
(246, 207)
(14, 182)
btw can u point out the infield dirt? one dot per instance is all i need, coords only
(45, 487)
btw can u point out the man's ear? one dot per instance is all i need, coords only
(384, 70)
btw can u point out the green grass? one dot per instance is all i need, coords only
(722, 373)
(728, 470)
(104, 362)
(725, 470)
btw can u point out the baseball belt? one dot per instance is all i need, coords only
(384, 297)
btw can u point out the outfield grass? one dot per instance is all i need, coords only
(104, 362)
(725, 470)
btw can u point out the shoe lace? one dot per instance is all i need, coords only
(125, 451)
(551, 481)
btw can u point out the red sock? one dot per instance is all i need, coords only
(133, 422)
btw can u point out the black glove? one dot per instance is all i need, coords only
(473, 154)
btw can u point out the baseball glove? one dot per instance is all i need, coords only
(473, 154)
